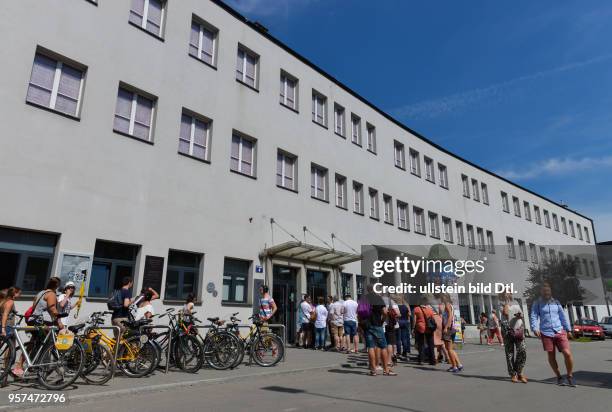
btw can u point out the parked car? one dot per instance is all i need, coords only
(606, 324)
(588, 328)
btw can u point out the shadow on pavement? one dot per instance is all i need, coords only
(583, 378)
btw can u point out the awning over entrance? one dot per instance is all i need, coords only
(304, 252)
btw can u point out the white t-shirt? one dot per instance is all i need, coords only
(305, 310)
(321, 321)
(141, 311)
(350, 310)
(335, 313)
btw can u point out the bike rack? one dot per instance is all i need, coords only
(168, 351)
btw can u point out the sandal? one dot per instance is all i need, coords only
(372, 373)
(390, 373)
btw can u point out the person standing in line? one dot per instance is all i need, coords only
(328, 332)
(494, 331)
(403, 331)
(448, 333)
(549, 323)
(482, 327)
(390, 324)
(376, 343)
(306, 326)
(336, 323)
(513, 331)
(350, 325)
(320, 324)
(441, 354)
(424, 327)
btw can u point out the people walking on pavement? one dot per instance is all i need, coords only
(350, 324)
(513, 331)
(482, 327)
(336, 323)
(549, 323)
(448, 333)
(320, 324)
(494, 330)
(306, 311)
(424, 327)
(403, 331)
(372, 312)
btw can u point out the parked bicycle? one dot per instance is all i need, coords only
(263, 347)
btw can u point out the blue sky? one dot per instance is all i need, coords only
(522, 88)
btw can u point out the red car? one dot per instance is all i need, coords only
(588, 328)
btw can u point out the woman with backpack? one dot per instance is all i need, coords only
(403, 331)
(513, 329)
(424, 327)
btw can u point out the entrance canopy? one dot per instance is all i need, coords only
(306, 253)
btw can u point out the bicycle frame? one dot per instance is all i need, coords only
(31, 363)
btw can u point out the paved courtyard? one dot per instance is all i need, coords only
(311, 380)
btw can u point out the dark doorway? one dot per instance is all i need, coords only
(285, 297)
(316, 285)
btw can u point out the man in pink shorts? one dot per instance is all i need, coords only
(549, 323)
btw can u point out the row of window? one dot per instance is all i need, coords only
(399, 158)
(582, 266)
(565, 224)
(474, 191)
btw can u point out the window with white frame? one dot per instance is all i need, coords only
(341, 200)
(579, 230)
(586, 235)
(319, 108)
(339, 120)
(399, 155)
(286, 170)
(194, 136)
(447, 226)
(555, 222)
(288, 91)
(434, 225)
(247, 65)
(443, 175)
(536, 213)
(511, 250)
(459, 231)
(527, 210)
(571, 228)
(415, 163)
(402, 215)
(358, 198)
(371, 143)
(356, 129)
(517, 206)
(475, 190)
(318, 182)
(148, 15)
(466, 185)
(481, 239)
(470, 237)
(203, 41)
(419, 220)
(564, 226)
(134, 114)
(485, 193)
(505, 205)
(373, 203)
(242, 157)
(533, 252)
(543, 253)
(56, 85)
(490, 242)
(546, 219)
(388, 209)
(429, 170)
(522, 250)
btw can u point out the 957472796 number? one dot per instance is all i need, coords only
(37, 398)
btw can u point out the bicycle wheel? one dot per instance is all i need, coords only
(242, 349)
(99, 365)
(137, 358)
(7, 356)
(188, 353)
(62, 367)
(267, 349)
(221, 350)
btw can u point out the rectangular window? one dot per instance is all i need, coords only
(288, 91)
(485, 193)
(419, 220)
(242, 157)
(546, 219)
(443, 175)
(555, 222)
(358, 198)
(505, 205)
(459, 230)
(318, 182)
(371, 138)
(134, 114)
(356, 129)
(148, 15)
(527, 210)
(339, 120)
(429, 170)
(517, 206)
(402, 215)
(112, 262)
(235, 280)
(533, 252)
(203, 41)
(522, 250)
(388, 209)
(434, 225)
(182, 275)
(475, 191)
(286, 170)
(571, 227)
(415, 163)
(194, 136)
(470, 237)
(511, 250)
(341, 200)
(564, 226)
(543, 253)
(536, 212)
(586, 235)
(373, 203)
(56, 85)
(579, 230)
(319, 108)
(466, 185)
(490, 242)
(247, 67)
(447, 224)
(399, 155)
(481, 239)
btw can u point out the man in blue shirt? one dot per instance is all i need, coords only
(549, 323)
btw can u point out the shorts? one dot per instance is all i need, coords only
(375, 337)
(350, 328)
(306, 327)
(559, 341)
(390, 335)
(10, 331)
(336, 330)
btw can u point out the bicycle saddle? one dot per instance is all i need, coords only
(76, 328)
(213, 319)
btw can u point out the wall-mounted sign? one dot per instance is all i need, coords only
(210, 288)
(74, 267)
(258, 269)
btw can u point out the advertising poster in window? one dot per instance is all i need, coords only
(75, 267)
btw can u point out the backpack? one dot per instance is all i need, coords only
(114, 302)
(430, 322)
(364, 309)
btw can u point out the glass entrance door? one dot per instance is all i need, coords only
(284, 295)
(316, 285)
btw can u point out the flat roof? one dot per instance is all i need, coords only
(257, 27)
(299, 251)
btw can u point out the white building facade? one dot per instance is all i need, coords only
(177, 143)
